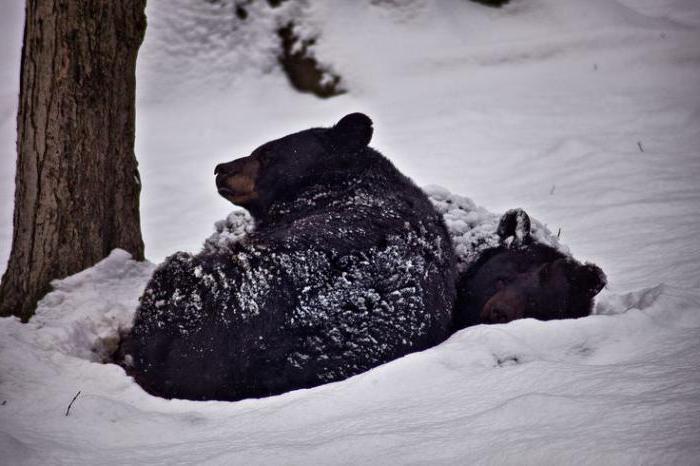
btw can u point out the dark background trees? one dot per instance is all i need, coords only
(77, 182)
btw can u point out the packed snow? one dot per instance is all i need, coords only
(585, 114)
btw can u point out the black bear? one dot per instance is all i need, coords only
(524, 278)
(349, 266)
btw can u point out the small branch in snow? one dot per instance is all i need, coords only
(4, 402)
(639, 144)
(559, 233)
(71, 403)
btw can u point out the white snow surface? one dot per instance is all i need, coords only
(585, 114)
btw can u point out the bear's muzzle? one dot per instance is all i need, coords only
(236, 180)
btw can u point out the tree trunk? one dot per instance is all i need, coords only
(77, 182)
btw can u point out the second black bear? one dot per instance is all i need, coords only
(349, 266)
(524, 278)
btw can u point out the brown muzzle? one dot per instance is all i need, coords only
(236, 181)
(503, 307)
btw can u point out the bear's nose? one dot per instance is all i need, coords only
(220, 168)
(503, 307)
(500, 314)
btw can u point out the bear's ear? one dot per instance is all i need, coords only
(515, 224)
(353, 131)
(588, 279)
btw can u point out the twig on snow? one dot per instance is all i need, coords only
(71, 403)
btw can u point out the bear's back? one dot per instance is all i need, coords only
(370, 278)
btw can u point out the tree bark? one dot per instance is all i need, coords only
(77, 182)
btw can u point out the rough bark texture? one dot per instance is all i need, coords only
(77, 182)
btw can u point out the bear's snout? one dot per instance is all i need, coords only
(236, 180)
(246, 165)
(503, 307)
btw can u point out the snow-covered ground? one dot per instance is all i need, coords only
(586, 114)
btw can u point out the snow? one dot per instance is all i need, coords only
(542, 105)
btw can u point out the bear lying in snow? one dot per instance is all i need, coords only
(512, 267)
(521, 278)
(349, 266)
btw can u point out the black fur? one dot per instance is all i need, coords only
(349, 267)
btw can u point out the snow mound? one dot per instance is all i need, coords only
(236, 226)
(85, 313)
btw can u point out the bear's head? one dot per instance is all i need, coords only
(280, 169)
(525, 280)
